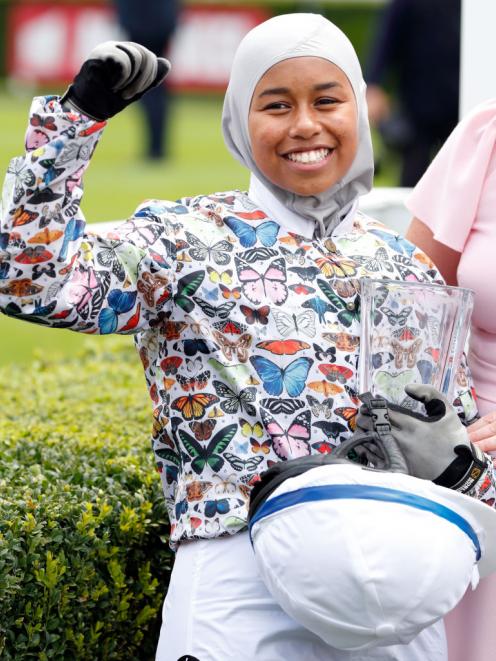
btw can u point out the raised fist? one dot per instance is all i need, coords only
(115, 74)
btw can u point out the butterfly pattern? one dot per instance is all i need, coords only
(248, 334)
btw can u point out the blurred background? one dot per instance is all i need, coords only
(172, 145)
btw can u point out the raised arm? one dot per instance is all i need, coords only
(446, 259)
(53, 272)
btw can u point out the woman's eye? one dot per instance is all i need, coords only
(325, 101)
(276, 105)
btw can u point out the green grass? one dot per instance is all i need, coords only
(118, 179)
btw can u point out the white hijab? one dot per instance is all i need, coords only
(275, 40)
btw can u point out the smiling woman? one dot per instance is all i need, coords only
(303, 125)
(245, 308)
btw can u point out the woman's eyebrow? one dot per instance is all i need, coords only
(285, 90)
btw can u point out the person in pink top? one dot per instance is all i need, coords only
(454, 209)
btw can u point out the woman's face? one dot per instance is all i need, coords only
(303, 125)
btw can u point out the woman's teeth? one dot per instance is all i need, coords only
(313, 156)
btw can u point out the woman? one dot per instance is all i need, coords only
(453, 207)
(244, 306)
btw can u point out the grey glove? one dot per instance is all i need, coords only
(115, 74)
(436, 446)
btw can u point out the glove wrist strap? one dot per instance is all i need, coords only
(465, 471)
(474, 471)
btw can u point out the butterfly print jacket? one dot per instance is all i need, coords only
(248, 334)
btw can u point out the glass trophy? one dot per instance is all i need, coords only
(412, 332)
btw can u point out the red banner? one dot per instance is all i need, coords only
(47, 43)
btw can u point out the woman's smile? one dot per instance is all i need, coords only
(303, 125)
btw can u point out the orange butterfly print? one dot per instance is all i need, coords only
(20, 288)
(193, 407)
(349, 414)
(149, 284)
(263, 447)
(283, 347)
(23, 217)
(325, 388)
(336, 372)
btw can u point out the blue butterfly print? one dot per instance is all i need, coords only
(119, 301)
(319, 306)
(396, 242)
(292, 377)
(211, 294)
(248, 235)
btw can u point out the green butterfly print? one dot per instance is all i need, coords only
(186, 287)
(233, 374)
(347, 312)
(169, 455)
(201, 456)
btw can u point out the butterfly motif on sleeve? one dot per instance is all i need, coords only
(288, 324)
(149, 284)
(305, 273)
(257, 286)
(22, 216)
(283, 347)
(210, 455)
(347, 313)
(296, 257)
(220, 277)
(197, 382)
(247, 429)
(321, 354)
(227, 293)
(275, 379)
(231, 349)
(343, 341)
(379, 262)
(72, 151)
(171, 364)
(87, 290)
(47, 122)
(292, 442)
(202, 429)
(239, 464)
(23, 178)
(260, 446)
(403, 266)
(278, 405)
(337, 373)
(408, 354)
(235, 400)
(320, 408)
(119, 302)
(257, 254)
(141, 233)
(334, 267)
(395, 241)
(319, 306)
(193, 407)
(186, 287)
(222, 311)
(219, 252)
(248, 235)
(44, 269)
(349, 414)
(259, 316)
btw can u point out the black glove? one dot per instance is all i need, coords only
(115, 74)
(436, 445)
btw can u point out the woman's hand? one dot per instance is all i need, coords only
(115, 74)
(483, 432)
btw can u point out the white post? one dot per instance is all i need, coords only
(478, 53)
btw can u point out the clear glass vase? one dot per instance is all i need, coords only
(411, 333)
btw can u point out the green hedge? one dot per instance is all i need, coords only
(84, 562)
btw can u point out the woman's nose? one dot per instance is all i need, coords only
(305, 124)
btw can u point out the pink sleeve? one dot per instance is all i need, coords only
(447, 197)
